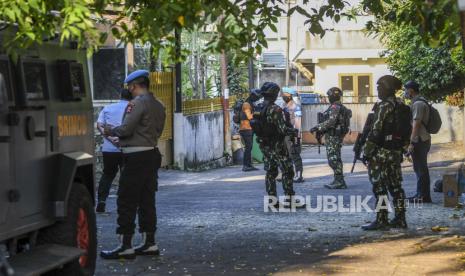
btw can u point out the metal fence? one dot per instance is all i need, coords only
(191, 107)
(161, 84)
(320, 99)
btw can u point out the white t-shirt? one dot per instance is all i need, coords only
(113, 115)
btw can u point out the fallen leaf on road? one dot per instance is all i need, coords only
(439, 228)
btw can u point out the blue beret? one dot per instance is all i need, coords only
(136, 74)
(289, 90)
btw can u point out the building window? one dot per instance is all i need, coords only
(357, 86)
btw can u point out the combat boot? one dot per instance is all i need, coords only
(270, 200)
(289, 201)
(148, 245)
(398, 221)
(299, 178)
(381, 222)
(123, 251)
(100, 207)
(338, 183)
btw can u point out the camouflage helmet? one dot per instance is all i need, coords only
(334, 94)
(256, 92)
(387, 86)
(390, 83)
(270, 90)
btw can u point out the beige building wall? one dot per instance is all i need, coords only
(345, 50)
(329, 71)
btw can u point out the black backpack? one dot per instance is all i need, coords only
(237, 109)
(344, 119)
(260, 126)
(434, 120)
(402, 127)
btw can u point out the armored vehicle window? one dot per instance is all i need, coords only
(2, 91)
(5, 70)
(71, 80)
(35, 79)
(77, 81)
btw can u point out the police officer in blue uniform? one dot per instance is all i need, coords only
(138, 134)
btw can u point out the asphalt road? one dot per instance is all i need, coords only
(213, 223)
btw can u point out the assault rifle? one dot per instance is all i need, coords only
(361, 140)
(319, 134)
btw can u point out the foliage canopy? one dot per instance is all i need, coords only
(237, 24)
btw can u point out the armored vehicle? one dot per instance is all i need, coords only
(47, 219)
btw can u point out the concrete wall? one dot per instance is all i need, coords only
(198, 140)
(452, 124)
(452, 129)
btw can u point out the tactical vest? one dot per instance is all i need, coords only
(342, 126)
(397, 128)
(264, 130)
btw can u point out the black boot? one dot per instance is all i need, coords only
(299, 178)
(123, 251)
(289, 201)
(148, 245)
(100, 207)
(381, 222)
(398, 221)
(276, 205)
(338, 183)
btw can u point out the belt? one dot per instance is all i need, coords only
(136, 149)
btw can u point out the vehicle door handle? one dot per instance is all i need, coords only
(13, 195)
(5, 139)
(40, 133)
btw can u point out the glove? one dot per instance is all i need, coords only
(369, 150)
(314, 129)
(365, 160)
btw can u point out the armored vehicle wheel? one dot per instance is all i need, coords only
(77, 230)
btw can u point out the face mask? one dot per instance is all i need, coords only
(125, 94)
(287, 99)
(407, 94)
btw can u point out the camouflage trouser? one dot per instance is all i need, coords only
(385, 175)
(294, 154)
(275, 155)
(333, 151)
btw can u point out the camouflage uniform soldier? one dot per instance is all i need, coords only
(271, 130)
(331, 127)
(384, 162)
(293, 115)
